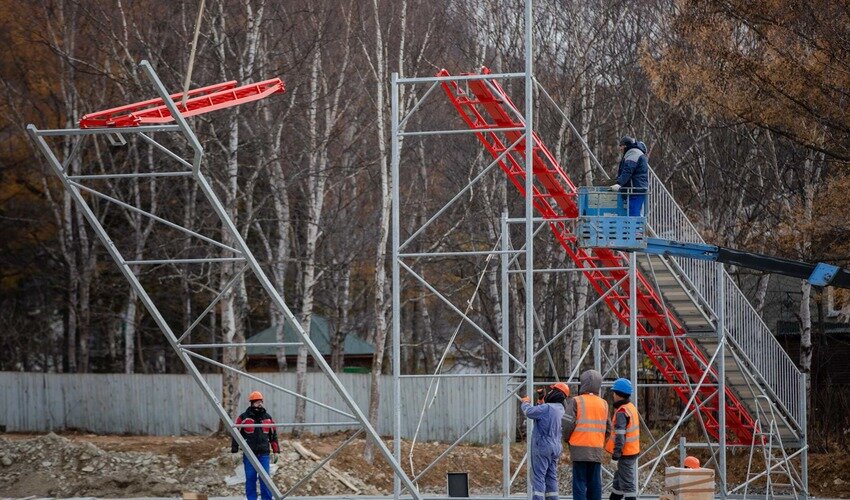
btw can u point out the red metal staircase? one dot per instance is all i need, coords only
(554, 198)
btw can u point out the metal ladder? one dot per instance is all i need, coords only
(769, 439)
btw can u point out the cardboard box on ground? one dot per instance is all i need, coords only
(688, 484)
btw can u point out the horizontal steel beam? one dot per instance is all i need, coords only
(521, 220)
(571, 269)
(464, 375)
(150, 262)
(296, 424)
(459, 254)
(129, 176)
(458, 78)
(461, 131)
(105, 131)
(240, 344)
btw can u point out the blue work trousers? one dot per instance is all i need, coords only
(251, 478)
(587, 481)
(544, 478)
(636, 203)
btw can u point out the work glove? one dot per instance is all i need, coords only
(525, 399)
(274, 458)
(616, 187)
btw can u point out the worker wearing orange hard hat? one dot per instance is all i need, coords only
(546, 444)
(258, 429)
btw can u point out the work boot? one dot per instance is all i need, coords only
(615, 496)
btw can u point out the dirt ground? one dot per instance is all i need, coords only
(123, 466)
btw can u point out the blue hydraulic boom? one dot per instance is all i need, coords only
(604, 223)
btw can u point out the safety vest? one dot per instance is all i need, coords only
(591, 421)
(632, 432)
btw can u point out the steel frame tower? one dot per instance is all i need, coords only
(694, 328)
(239, 254)
(524, 369)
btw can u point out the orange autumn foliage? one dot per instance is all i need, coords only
(778, 64)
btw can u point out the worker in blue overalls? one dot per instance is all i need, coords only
(633, 175)
(546, 444)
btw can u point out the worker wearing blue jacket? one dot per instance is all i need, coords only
(546, 444)
(633, 174)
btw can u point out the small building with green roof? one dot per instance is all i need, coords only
(357, 353)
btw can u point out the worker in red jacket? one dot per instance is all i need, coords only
(258, 430)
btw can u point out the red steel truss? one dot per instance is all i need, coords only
(200, 101)
(554, 198)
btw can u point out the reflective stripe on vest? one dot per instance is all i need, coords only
(632, 432)
(591, 421)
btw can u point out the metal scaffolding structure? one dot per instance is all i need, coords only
(133, 120)
(689, 319)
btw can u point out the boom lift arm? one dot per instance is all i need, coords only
(820, 274)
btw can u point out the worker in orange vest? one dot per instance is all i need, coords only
(624, 443)
(586, 427)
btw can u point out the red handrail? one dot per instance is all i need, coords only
(201, 100)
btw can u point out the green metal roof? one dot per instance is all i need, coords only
(319, 334)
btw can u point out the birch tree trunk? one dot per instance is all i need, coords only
(811, 176)
(379, 65)
(806, 337)
(232, 327)
(379, 295)
(343, 313)
(315, 201)
(280, 254)
(322, 127)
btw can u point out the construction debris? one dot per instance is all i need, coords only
(54, 466)
(309, 455)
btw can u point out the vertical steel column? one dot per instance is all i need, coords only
(804, 437)
(721, 374)
(395, 158)
(508, 409)
(529, 234)
(597, 351)
(633, 341)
